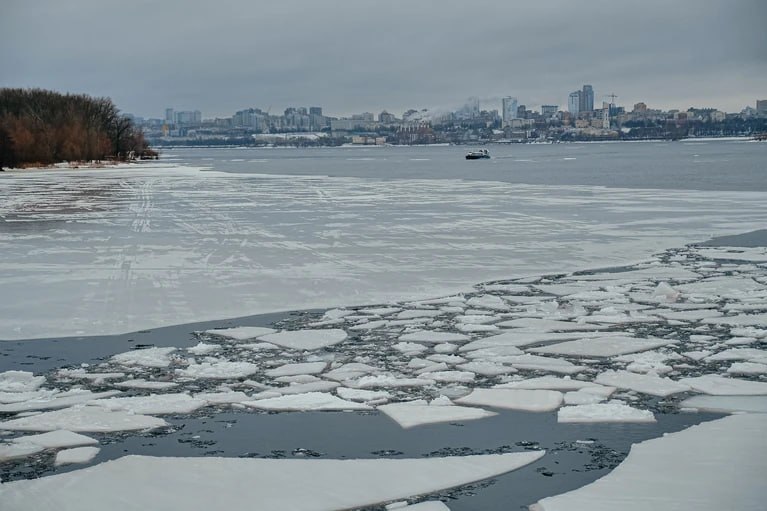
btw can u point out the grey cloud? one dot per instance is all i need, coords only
(349, 56)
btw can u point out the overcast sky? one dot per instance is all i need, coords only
(352, 56)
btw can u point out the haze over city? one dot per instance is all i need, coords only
(353, 56)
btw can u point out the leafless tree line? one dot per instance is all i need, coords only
(42, 127)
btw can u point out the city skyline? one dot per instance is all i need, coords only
(350, 57)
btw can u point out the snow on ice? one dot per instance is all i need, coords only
(709, 467)
(169, 484)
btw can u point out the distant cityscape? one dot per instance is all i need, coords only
(513, 123)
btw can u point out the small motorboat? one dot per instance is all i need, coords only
(482, 154)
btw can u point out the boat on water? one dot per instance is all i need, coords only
(482, 154)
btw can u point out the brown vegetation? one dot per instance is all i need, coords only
(43, 127)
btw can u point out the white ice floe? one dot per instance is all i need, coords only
(17, 397)
(604, 412)
(645, 383)
(486, 368)
(435, 337)
(219, 370)
(488, 302)
(306, 402)
(32, 444)
(369, 325)
(726, 404)
(20, 381)
(749, 354)
(82, 374)
(476, 319)
(451, 376)
(84, 419)
(389, 381)
(648, 361)
(538, 363)
(222, 398)
(471, 327)
(241, 333)
(145, 384)
(419, 313)
(445, 348)
(350, 371)
(608, 346)
(71, 456)
(582, 397)
(514, 399)
(202, 348)
(747, 368)
(306, 339)
(709, 467)
(57, 400)
(361, 395)
(556, 383)
(549, 325)
(493, 353)
(721, 386)
(303, 388)
(523, 337)
(154, 404)
(170, 484)
(740, 320)
(294, 369)
(747, 254)
(410, 348)
(148, 357)
(417, 413)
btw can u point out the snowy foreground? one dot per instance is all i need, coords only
(686, 331)
(119, 250)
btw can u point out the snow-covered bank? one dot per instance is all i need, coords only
(713, 466)
(140, 483)
(118, 250)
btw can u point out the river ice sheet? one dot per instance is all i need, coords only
(106, 251)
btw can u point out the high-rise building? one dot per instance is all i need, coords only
(761, 106)
(315, 110)
(587, 99)
(574, 102)
(522, 112)
(549, 110)
(169, 117)
(509, 109)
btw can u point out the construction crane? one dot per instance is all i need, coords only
(612, 98)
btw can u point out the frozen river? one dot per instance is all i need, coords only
(214, 233)
(464, 362)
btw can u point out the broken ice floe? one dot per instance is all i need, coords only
(416, 413)
(604, 412)
(672, 328)
(184, 483)
(712, 466)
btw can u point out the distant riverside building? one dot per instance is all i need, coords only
(386, 118)
(315, 110)
(188, 117)
(761, 106)
(169, 117)
(587, 99)
(574, 102)
(549, 110)
(640, 107)
(508, 110)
